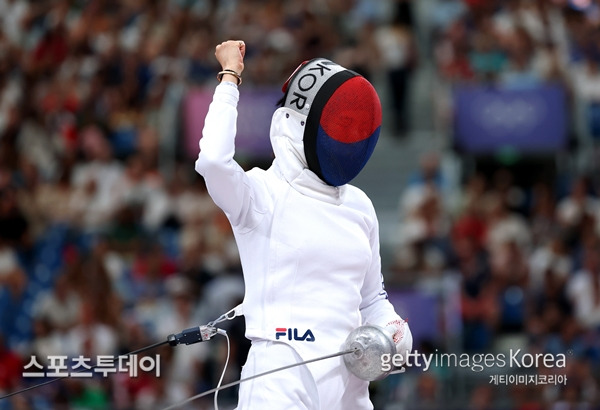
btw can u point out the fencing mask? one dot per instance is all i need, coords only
(343, 118)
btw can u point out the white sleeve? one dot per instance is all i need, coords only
(226, 181)
(375, 307)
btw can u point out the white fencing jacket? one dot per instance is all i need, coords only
(309, 251)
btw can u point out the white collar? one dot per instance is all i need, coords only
(287, 131)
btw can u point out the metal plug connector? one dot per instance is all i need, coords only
(192, 335)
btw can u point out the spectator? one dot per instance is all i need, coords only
(12, 276)
(519, 72)
(486, 59)
(11, 368)
(95, 181)
(542, 214)
(586, 82)
(60, 307)
(578, 211)
(397, 47)
(138, 187)
(583, 288)
(149, 271)
(504, 226)
(550, 262)
(424, 230)
(14, 228)
(90, 337)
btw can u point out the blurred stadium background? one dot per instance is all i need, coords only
(485, 179)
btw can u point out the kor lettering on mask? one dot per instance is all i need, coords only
(307, 81)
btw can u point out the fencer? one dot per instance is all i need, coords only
(307, 239)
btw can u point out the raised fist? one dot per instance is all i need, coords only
(230, 54)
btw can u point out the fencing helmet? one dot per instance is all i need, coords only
(343, 118)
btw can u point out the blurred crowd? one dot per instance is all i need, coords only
(522, 245)
(519, 44)
(524, 262)
(108, 239)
